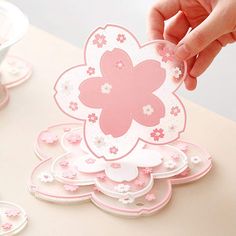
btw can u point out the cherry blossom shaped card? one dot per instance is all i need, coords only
(12, 218)
(124, 93)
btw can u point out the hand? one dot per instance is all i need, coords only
(200, 28)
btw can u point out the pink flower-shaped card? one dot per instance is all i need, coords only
(124, 93)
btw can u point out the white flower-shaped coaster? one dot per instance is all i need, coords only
(13, 218)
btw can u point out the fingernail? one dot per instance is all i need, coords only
(181, 52)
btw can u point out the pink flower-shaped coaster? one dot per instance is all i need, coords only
(138, 184)
(124, 93)
(13, 72)
(12, 218)
(125, 154)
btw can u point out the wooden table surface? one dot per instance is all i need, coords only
(204, 208)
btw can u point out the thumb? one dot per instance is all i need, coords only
(201, 36)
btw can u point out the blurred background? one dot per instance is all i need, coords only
(73, 20)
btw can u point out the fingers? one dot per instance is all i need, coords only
(163, 10)
(205, 58)
(177, 28)
(199, 38)
(190, 81)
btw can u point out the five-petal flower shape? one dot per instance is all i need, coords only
(130, 92)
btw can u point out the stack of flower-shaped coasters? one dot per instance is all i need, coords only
(125, 153)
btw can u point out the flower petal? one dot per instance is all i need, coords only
(91, 94)
(148, 75)
(156, 110)
(140, 206)
(126, 172)
(115, 64)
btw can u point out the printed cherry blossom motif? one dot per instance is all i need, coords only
(122, 188)
(106, 88)
(157, 134)
(126, 200)
(90, 161)
(99, 40)
(12, 212)
(49, 137)
(115, 165)
(99, 142)
(71, 188)
(139, 183)
(113, 150)
(91, 71)
(46, 177)
(170, 164)
(167, 54)
(150, 197)
(195, 159)
(147, 171)
(64, 164)
(176, 72)
(119, 64)
(73, 106)
(67, 87)
(92, 118)
(74, 138)
(125, 106)
(7, 226)
(69, 174)
(175, 111)
(148, 110)
(121, 38)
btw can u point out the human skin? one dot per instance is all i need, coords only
(200, 28)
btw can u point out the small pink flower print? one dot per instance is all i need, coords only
(99, 40)
(139, 183)
(69, 174)
(150, 197)
(91, 71)
(49, 137)
(157, 134)
(120, 81)
(101, 176)
(113, 150)
(175, 157)
(64, 164)
(176, 72)
(71, 188)
(90, 161)
(147, 170)
(92, 118)
(166, 53)
(115, 165)
(73, 106)
(7, 226)
(175, 111)
(74, 138)
(12, 212)
(121, 38)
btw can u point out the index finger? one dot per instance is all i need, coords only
(161, 11)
